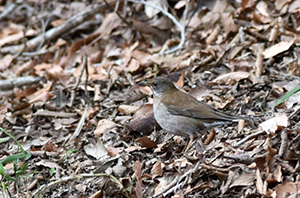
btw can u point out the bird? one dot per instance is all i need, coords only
(181, 114)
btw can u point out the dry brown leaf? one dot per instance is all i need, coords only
(133, 148)
(142, 57)
(233, 77)
(48, 164)
(180, 81)
(247, 4)
(40, 92)
(277, 48)
(260, 185)
(97, 150)
(127, 109)
(143, 110)
(51, 147)
(103, 126)
(57, 22)
(151, 12)
(157, 169)
(11, 38)
(43, 97)
(246, 179)
(91, 70)
(277, 174)
(133, 65)
(285, 189)
(9, 29)
(110, 22)
(182, 162)
(180, 4)
(274, 124)
(241, 125)
(213, 35)
(113, 151)
(146, 142)
(161, 186)
(280, 3)
(228, 23)
(5, 61)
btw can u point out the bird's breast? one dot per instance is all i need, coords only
(179, 125)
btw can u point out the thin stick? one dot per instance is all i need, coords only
(73, 177)
(83, 66)
(249, 137)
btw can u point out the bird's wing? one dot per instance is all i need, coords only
(190, 107)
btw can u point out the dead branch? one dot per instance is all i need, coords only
(249, 137)
(20, 81)
(54, 32)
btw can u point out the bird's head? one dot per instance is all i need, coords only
(161, 84)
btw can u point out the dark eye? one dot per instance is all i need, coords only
(154, 84)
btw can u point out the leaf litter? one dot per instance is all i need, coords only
(91, 122)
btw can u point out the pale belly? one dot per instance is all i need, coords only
(178, 125)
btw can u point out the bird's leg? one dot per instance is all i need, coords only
(189, 144)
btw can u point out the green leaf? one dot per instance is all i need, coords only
(71, 151)
(22, 169)
(52, 171)
(13, 137)
(1, 169)
(12, 158)
(287, 95)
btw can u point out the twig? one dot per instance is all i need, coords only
(79, 126)
(74, 177)
(186, 10)
(284, 143)
(20, 81)
(83, 66)
(7, 11)
(259, 60)
(249, 137)
(170, 16)
(54, 32)
(168, 189)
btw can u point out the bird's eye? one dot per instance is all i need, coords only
(154, 83)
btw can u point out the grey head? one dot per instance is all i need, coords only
(160, 85)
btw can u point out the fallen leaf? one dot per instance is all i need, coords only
(277, 48)
(157, 169)
(96, 150)
(286, 189)
(127, 109)
(274, 124)
(146, 142)
(5, 61)
(233, 77)
(245, 179)
(103, 126)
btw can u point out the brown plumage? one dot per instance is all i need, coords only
(182, 114)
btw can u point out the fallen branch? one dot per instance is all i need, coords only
(73, 22)
(7, 11)
(20, 81)
(249, 137)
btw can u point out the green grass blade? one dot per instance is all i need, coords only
(287, 95)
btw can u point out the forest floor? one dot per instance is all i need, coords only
(75, 121)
